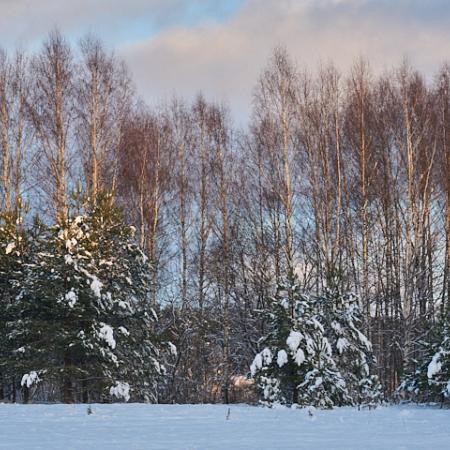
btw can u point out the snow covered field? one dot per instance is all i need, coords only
(139, 426)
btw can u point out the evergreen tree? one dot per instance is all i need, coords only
(351, 348)
(296, 364)
(275, 372)
(414, 384)
(430, 381)
(84, 318)
(13, 256)
(438, 369)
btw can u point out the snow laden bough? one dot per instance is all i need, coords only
(120, 390)
(29, 383)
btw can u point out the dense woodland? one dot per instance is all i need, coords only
(163, 248)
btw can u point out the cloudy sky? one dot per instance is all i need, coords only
(220, 46)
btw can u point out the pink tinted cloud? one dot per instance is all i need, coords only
(224, 59)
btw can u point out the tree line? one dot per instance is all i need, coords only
(340, 181)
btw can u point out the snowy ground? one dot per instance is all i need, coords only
(138, 426)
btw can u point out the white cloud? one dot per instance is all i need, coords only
(224, 60)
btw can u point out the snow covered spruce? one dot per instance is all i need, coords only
(78, 325)
(430, 379)
(314, 353)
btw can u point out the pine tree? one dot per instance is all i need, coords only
(296, 364)
(275, 372)
(430, 381)
(85, 319)
(414, 384)
(438, 368)
(13, 257)
(351, 348)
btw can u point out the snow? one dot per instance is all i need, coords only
(342, 344)
(71, 298)
(68, 259)
(263, 358)
(78, 220)
(336, 327)
(300, 357)
(120, 390)
(71, 243)
(326, 346)
(293, 340)
(435, 365)
(256, 364)
(142, 426)
(124, 331)
(364, 340)
(282, 358)
(29, 379)
(310, 346)
(317, 324)
(173, 349)
(96, 286)
(319, 381)
(267, 356)
(106, 333)
(10, 247)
